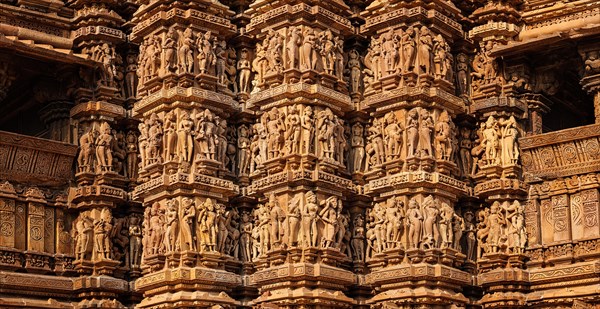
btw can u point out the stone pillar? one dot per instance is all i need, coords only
(591, 80)
(187, 144)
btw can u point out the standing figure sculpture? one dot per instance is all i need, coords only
(172, 226)
(307, 123)
(412, 132)
(293, 47)
(102, 228)
(358, 238)
(415, 221)
(104, 146)
(244, 69)
(431, 233)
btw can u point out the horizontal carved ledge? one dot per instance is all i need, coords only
(286, 178)
(422, 271)
(419, 179)
(272, 97)
(207, 184)
(219, 279)
(564, 273)
(494, 103)
(35, 282)
(302, 10)
(562, 153)
(395, 17)
(303, 271)
(409, 97)
(221, 25)
(191, 97)
(29, 159)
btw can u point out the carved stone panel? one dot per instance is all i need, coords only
(20, 226)
(49, 230)
(560, 211)
(576, 216)
(7, 223)
(35, 227)
(547, 221)
(589, 199)
(532, 223)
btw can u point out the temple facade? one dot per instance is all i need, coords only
(299, 154)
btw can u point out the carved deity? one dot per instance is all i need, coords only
(308, 52)
(205, 135)
(327, 51)
(354, 70)
(307, 123)
(293, 47)
(155, 230)
(206, 55)
(394, 217)
(82, 227)
(220, 52)
(412, 132)
(260, 65)
(470, 230)
(131, 75)
(446, 218)
(357, 142)
(154, 138)
(131, 148)
(292, 130)
(188, 213)
(244, 150)
(185, 52)
(135, 241)
(87, 149)
(338, 47)
(172, 226)
(246, 227)
(509, 145)
(325, 126)
(275, 123)
(206, 226)
(244, 69)
(170, 136)
(415, 224)
(462, 75)
(443, 135)
(409, 47)
(104, 148)
(294, 220)
(377, 149)
(328, 215)
(102, 229)
(490, 141)
(393, 132)
(431, 233)
(358, 238)
(169, 47)
(425, 130)
(310, 219)
(390, 52)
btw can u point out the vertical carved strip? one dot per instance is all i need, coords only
(532, 222)
(547, 222)
(562, 222)
(49, 230)
(20, 227)
(7, 223)
(590, 213)
(576, 216)
(35, 227)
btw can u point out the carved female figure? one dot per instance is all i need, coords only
(442, 137)
(170, 140)
(155, 229)
(327, 51)
(357, 142)
(412, 132)
(130, 75)
(408, 48)
(329, 217)
(244, 151)
(415, 221)
(308, 53)
(425, 130)
(186, 52)
(220, 140)
(206, 55)
(307, 123)
(172, 225)
(470, 234)
(243, 67)
(83, 226)
(461, 73)
(375, 53)
(358, 238)
(430, 223)
(293, 219)
(465, 145)
(376, 136)
(104, 146)
(220, 61)
(490, 141)
(143, 143)
(188, 213)
(445, 225)
(184, 137)
(292, 131)
(87, 149)
(293, 47)
(221, 230)
(135, 241)
(510, 147)
(277, 217)
(264, 225)
(260, 65)
(425, 46)
(440, 56)
(169, 48)
(310, 219)
(325, 135)
(131, 148)
(206, 223)
(393, 218)
(246, 237)
(390, 52)
(355, 71)
(102, 227)
(338, 47)
(496, 221)
(393, 132)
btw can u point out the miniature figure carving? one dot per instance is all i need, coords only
(393, 132)
(357, 142)
(135, 241)
(170, 51)
(206, 54)
(358, 238)
(104, 146)
(170, 137)
(443, 133)
(293, 47)
(172, 226)
(87, 149)
(354, 71)
(425, 130)
(431, 232)
(307, 123)
(308, 53)
(82, 227)
(188, 213)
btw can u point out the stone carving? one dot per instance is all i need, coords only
(82, 228)
(102, 241)
(357, 142)
(502, 229)
(244, 68)
(135, 241)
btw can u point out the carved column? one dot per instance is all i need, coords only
(591, 80)
(416, 223)
(300, 148)
(188, 83)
